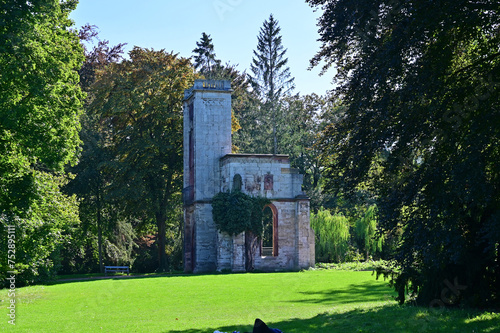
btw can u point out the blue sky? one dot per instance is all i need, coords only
(176, 25)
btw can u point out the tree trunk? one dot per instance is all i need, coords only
(162, 198)
(162, 257)
(99, 241)
(275, 139)
(250, 248)
(99, 230)
(498, 272)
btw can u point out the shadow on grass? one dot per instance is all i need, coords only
(387, 319)
(113, 277)
(94, 278)
(368, 291)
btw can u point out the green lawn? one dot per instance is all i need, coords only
(312, 301)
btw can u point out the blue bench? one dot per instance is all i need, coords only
(116, 269)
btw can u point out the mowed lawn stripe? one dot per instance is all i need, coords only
(311, 301)
(190, 302)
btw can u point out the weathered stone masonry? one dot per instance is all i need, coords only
(209, 167)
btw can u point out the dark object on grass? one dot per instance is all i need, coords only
(261, 327)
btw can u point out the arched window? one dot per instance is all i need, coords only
(269, 244)
(237, 182)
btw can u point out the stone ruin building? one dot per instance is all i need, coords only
(210, 167)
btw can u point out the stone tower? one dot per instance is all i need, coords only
(207, 138)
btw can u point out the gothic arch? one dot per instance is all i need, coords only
(275, 230)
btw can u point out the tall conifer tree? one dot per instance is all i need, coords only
(204, 60)
(271, 77)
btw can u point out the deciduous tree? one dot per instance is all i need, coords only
(140, 101)
(40, 106)
(90, 182)
(332, 235)
(419, 80)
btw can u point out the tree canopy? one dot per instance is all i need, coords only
(40, 108)
(419, 80)
(40, 101)
(140, 106)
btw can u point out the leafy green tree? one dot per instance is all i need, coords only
(422, 97)
(204, 59)
(332, 235)
(41, 99)
(40, 106)
(91, 181)
(365, 231)
(297, 134)
(40, 231)
(140, 102)
(271, 78)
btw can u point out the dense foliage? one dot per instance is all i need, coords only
(332, 236)
(419, 80)
(40, 107)
(365, 231)
(235, 212)
(139, 103)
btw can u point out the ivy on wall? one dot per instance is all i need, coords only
(235, 212)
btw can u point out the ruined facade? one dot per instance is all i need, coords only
(210, 167)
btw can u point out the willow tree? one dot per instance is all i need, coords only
(365, 230)
(332, 235)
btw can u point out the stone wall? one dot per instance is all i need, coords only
(268, 176)
(305, 235)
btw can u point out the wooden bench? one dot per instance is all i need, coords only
(116, 269)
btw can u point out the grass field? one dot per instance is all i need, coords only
(312, 301)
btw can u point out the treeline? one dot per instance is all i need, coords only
(91, 141)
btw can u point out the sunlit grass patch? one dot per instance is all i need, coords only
(311, 301)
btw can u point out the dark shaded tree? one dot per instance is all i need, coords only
(419, 80)
(204, 59)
